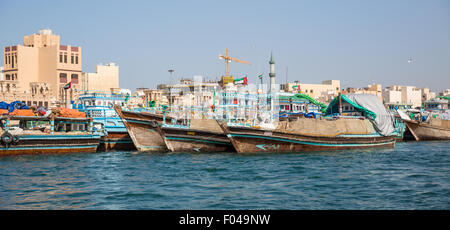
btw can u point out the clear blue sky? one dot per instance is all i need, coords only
(358, 42)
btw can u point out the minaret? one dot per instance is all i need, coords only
(272, 73)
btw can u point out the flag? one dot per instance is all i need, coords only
(297, 87)
(241, 81)
(260, 76)
(68, 85)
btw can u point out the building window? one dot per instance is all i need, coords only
(74, 78)
(62, 78)
(12, 63)
(8, 77)
(71, 59)
(76, 59)
(65, 58)
(60, 58)
(46, 104)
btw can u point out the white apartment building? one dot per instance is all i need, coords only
(403, 95)
(445, 93)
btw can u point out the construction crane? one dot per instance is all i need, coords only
(226, 78)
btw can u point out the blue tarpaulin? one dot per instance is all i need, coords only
(13, 106)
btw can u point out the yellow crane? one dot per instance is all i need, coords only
(226, 78)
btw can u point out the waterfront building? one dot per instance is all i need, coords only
(37, 71)
(403, 94)
(154, 96)
(105, 79)
(1, 73)
(427, 94)
(191, 92)
(324, 92)
(136, 99)
(445, 93)
(374, 89)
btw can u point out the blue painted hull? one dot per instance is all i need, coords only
(41, 144)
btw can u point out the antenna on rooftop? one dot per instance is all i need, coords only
(286, 74)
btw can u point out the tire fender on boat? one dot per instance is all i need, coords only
(7, 138)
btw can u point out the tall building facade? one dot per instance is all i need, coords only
(403, 95)
(105, 79)
(37, 71)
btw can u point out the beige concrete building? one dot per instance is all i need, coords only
(155, 95)
(403, 95)
(324, 92)
(104, 79)
(374, 89)
(1, 73)
(427, 94)
(392, 96)
(37, 71)
(445, 93)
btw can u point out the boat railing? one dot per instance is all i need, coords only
(53, 122)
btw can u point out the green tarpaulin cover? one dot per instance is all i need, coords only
(333, 107)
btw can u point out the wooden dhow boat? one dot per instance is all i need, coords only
(369, 125)
(200, 135)
(99, 106)
(257, 139)
(39, 135)
(142, 128)
(434, 129)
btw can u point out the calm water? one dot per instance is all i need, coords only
(411, 176)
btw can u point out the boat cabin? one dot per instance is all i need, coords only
(436, 105)
(100, 107)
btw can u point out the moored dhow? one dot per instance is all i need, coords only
(432, 129)
(257, 139)
(99, 107)
(142, 128)
(200, 135)
(370, 125)
(39, 135)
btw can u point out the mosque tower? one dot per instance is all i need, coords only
(272, 73)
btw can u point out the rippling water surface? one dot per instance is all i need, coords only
(411, 176)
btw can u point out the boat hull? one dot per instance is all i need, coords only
(51, 144)
(142, 129)
(116, 141)
(249, 140)
(195, 141)
(422, 131)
